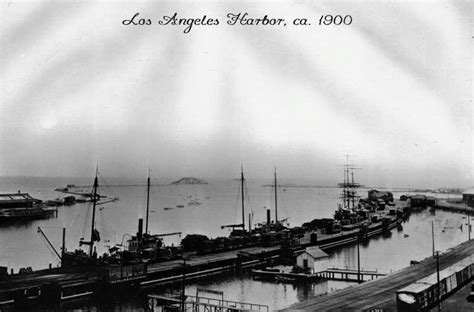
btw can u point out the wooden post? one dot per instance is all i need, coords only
(250, 223)
(63, 251)
(358, 262)
(183, 285)
(437, 277)
(432, 237)
(468, 223)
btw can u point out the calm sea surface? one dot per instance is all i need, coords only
(21, 245)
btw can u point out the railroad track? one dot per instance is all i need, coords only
(380, 293)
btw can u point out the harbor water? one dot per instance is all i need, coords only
(21, 245)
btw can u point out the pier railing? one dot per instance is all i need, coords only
(349, 274)
(196, 304)
(347, 268)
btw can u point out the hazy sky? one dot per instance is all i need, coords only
(394, 89)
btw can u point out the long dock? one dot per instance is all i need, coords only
(72, 283)
(61, 284)
(453, 205)
(380, 294)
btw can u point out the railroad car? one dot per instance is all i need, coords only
(424, 293)
(471, 294)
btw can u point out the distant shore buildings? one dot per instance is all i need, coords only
(468, 197)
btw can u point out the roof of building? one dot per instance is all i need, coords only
(415, 288)
(16, 198)
(469, 192)
(316, 252)
(417, 196)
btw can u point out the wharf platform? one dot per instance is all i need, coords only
(455, 205)
(76, 282)
(380, 294)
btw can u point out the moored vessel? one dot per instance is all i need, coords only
(146, 247)
(22, 206)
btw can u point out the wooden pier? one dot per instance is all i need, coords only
(200, 303)
(59, 285)
(77, 282)
(380, 294)
(349, 275)
(453, 206)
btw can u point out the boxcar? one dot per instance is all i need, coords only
(425, 292)
(413, 298)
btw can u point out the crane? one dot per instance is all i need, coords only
(63, 249)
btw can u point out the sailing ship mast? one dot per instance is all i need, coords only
(349, 186)
(276, 202)
(147, 203)
(242, 180)
(94, 232)
(242, 190)
(94, 204)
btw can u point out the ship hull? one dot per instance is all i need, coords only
(25, 214)
(354, 236)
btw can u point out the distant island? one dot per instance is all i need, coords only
(189, 180)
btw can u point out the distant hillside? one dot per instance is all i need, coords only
(189, 180)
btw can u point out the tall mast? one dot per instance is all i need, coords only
(94, 203)
(349, 186)
(242, 186)
(353, 192)
(147, 202)
(348, 189)
(276, 202)
(345, 190)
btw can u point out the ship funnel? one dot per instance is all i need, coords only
(140, 228)
(268, 216)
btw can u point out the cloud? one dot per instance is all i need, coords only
(393, 88)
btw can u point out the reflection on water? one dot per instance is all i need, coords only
(276, 295)
(21, 246)
(412, 242)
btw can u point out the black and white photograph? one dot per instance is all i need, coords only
(240, 155)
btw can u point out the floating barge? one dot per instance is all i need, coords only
(22, 206)
(284, 276)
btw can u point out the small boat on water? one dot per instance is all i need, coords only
(179, 206)
(194, 203)
(168, 208)
(278, 275)
(85, 195)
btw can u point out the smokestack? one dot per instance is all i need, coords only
(268, 216)
(250, 223)
(140, 228)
